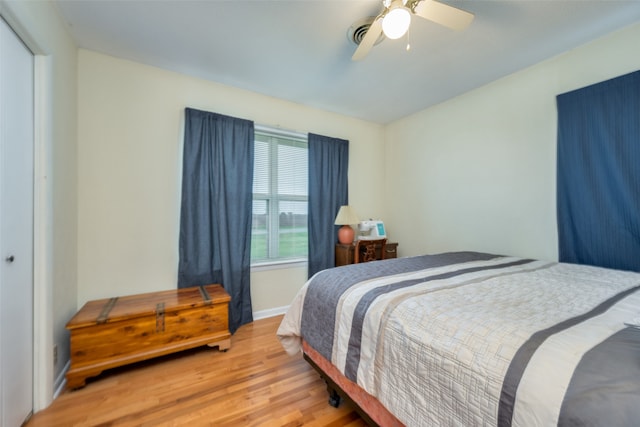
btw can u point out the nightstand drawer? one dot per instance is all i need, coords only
(391, 251)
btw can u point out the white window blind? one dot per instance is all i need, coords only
(280, 188)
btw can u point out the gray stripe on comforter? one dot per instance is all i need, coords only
(325, 289)
(605, 387)
(355, 339)
(527, 350)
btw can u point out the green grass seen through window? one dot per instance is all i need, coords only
(293, 244)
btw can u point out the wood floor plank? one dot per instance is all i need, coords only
(254, 383)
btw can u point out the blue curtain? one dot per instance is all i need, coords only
(328, 190)
(598, 175)
(215, 215)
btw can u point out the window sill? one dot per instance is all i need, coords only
(277, 265)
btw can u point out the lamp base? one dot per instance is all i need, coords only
(346, 235)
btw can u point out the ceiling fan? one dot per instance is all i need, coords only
(394, 20)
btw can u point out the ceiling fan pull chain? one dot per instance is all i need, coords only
(408, 39)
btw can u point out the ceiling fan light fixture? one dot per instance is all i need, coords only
(396, 23)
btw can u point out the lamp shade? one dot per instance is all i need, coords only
(396, 23)
(346, 216)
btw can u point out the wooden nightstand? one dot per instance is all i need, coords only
(344, 253)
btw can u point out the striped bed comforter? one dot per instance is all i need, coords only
(476, 339)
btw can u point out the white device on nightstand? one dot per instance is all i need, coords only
(372, 229)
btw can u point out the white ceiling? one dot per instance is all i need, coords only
(298, 49)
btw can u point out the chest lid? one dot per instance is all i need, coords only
(118, 308)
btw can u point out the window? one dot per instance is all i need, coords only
(280, 174)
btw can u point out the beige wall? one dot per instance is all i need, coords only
(56, 197)
(478, 172)
(129, 156)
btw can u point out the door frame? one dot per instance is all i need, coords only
(43, 369)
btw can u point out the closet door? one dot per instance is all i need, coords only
(16, 228)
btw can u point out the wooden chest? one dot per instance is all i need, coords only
(113, 332)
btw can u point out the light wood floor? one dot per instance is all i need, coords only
(255, 383)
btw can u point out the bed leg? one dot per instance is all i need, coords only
(334, 397)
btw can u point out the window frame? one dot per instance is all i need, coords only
(272, 199)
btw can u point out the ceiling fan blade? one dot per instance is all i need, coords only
(369, 39)
(443, 14)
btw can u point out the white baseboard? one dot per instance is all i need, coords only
(271, 312)
(61, 381)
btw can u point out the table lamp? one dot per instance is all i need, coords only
(346, 216)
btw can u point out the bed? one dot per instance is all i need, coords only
(473, 339)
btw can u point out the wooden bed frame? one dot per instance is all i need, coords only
(369, 408)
